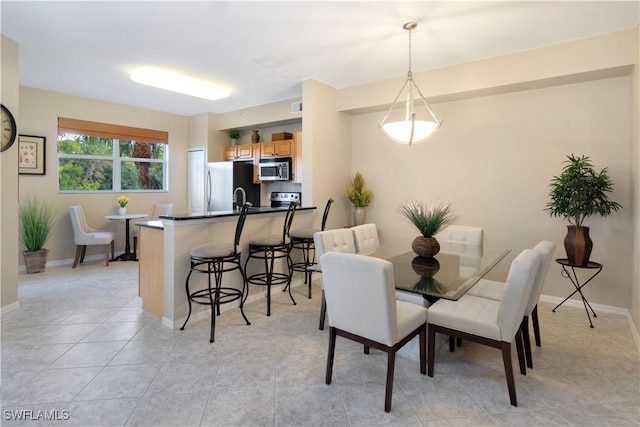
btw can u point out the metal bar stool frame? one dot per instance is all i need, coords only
(269, 249)
(303, 240)
(215, 294)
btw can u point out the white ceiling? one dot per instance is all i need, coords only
(263, 50)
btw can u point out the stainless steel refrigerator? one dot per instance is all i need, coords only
(221, 181)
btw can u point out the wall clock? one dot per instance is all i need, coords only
(9, 130)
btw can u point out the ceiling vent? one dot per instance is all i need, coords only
(296, 107)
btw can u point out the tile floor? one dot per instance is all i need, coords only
(80, 344)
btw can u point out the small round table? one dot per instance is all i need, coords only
(573, 277)
(127, 255)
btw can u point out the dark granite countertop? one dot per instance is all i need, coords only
(215, 214)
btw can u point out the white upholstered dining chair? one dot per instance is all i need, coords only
(379, 320)
(494, 290)
(490, 322)
(338, 240)
(83, 236)
(366, 239)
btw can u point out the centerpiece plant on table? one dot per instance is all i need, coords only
(428, 221)
(122, 202)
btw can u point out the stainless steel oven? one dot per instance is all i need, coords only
(284, 199)
(276, 169)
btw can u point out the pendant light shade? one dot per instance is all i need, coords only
(416, 122)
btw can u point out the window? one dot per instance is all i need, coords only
(101, 157)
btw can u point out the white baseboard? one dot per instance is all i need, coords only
(68, 261)
(9, 307)
(577, 303)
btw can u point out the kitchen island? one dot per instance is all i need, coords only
(164, 255)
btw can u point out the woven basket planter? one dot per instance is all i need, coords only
(425, 246)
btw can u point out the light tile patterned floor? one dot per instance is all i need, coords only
(80, 342)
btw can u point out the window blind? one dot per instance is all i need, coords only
(105, 130)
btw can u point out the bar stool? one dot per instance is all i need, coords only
(210, 259)
(302, 239)
(269, 248)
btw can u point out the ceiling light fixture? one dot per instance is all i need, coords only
(179, 83)
(410, 129)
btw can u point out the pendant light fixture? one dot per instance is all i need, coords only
(418, 123)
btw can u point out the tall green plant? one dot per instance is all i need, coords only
(36, 221)
(356, 194)
(580, 192)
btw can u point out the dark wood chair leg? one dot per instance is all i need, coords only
(106, 255)
(508, 371)
(77, 258)
(520, 351)
(423, 350)
(452, 344)
(431, 349)
(330, 354)
(536, 325)
(84, 251)
(524, 327)
(135, 246)
(323, 312)
(391, 364)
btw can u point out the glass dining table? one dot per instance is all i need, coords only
(447, 275)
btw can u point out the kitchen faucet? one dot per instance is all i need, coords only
(235, 199)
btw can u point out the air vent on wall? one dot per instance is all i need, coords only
(296, 107)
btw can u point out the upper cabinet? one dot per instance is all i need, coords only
(284, 148)
(238, 152)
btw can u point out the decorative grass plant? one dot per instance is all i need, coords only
(36, 221)
(428, 221)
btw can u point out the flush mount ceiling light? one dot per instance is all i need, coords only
(419, 123)
(179, 83)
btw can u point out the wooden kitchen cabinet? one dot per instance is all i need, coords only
(238, 152)
(296, 165)
(272, 149)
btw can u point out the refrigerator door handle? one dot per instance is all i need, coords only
(208, 190)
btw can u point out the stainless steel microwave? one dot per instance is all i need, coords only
(276, 169)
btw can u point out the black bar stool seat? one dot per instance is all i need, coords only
(268, 249)
(214, 259)
(302, 239)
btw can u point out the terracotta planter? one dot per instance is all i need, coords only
(34, 262)
(578, 245)
(425, 246)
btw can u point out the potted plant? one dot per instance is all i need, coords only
(359, 197)
(36, 220)
(428, 221)
(576, 194)
(234, 134)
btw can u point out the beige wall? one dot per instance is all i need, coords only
(39, 112)
(327, 156)
(635, 185)
(493, 160)
(9, 172)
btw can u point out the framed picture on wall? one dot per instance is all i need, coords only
(31, 155)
